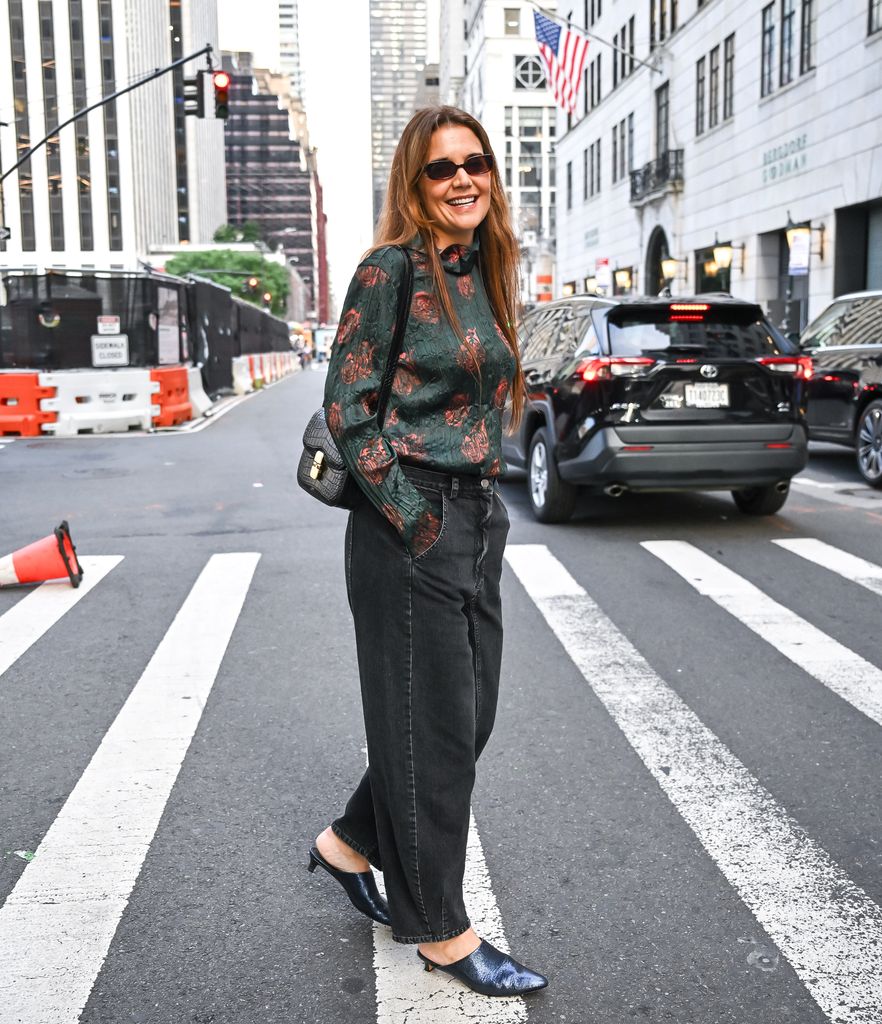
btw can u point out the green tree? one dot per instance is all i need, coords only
(271, 277)
(247, 232)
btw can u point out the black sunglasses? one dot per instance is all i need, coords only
(441, 170)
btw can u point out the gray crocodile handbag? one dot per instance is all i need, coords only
(322, 471)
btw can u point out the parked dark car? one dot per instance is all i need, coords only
(845, 393)
(658, 394)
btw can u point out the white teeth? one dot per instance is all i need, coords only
(465, 201)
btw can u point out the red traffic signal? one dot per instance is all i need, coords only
(221, 81)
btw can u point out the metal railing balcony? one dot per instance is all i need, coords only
(658, 176)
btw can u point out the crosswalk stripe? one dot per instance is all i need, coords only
(408, 994)
(58, 922)
(830, 662)
(33, 615)
(826, 926)
(857, 570)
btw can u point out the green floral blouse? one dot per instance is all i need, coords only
(445, 410)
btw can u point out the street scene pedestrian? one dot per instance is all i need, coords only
(424, 545)
(440, 487)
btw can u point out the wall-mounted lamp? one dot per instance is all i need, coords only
(670, 267)
(569, 288)
(797, 232)
(590, 284)
(624, 279)
(723, 253)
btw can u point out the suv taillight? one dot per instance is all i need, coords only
(799, 366)
(606, 367)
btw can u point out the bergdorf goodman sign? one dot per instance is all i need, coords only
(788, 158)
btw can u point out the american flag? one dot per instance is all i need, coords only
(563, 53)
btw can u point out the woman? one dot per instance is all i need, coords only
(424, 544)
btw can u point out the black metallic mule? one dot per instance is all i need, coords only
(491, 972)
(359, 885)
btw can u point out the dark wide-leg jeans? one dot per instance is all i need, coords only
(429, 638)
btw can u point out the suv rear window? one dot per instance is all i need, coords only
(718, 332)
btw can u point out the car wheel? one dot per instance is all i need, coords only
(761, 501)
(551, 498)
(868, 444)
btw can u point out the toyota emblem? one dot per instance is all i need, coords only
(709, 371)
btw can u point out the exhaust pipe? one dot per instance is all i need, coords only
(782, 486)
(615, 490)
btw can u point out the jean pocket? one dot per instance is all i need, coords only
(438, 501)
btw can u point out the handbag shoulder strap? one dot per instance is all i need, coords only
(405, 288)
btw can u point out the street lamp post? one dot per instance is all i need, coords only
(5, 233)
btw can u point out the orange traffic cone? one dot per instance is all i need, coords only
(51, 558)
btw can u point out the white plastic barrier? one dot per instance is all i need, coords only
(198, 399)
(242, 382)
(99, 401)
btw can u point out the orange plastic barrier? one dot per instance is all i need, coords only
(20, 412)
(173, 397)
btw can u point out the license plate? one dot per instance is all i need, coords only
(707, 396)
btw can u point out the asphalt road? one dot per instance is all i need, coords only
(678, 818)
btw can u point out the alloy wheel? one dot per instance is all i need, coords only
(539, 475)
(869, 444)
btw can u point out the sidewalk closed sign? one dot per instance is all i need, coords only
(108, 325)
(110, 351)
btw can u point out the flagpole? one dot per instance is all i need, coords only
(591, 35)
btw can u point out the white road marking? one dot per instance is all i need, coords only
(33, 615)
(842, 493)
(830, 662)
(826, 926)
(408, 994)
(857, 570)
(58, 922)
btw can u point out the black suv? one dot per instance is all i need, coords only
(845, 393)
(658, 394)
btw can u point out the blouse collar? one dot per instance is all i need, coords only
(459, 259)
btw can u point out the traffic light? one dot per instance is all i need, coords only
(221, 82)
(194, 95)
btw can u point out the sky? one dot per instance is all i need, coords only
(335, 49)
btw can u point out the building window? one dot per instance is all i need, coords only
(807, 26)
(615, 153)
(528, 73)
(768, 51)
(875, 16)
(512, 21)
(623, 160)
(728, 76)
(593, 10)
(50, 110)
(786, 63)
(78, 82)
(630, 142)
(22, 126)
(584, 174)
(713, 105)
(699, 96)
(594, 81)
(569, 184)
(673, 16)
(594, 168)
(662, 119)
(658, 21)
(111, 131)
(630, 45)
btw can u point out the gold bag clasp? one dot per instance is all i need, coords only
(317, 465)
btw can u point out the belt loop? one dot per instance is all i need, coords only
(454, 487)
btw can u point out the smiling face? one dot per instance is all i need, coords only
(456, 206)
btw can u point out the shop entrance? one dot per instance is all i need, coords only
(656, 251)
(858, 256)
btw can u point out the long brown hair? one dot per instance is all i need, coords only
(403, 217)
